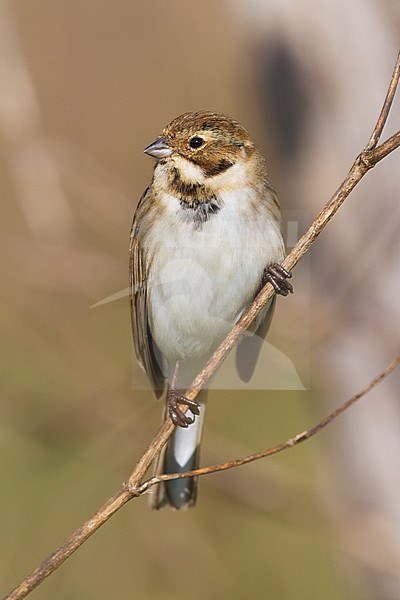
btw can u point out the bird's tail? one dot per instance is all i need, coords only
(181, 454)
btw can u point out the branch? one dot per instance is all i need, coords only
(387, 105)
(294, 441)
(366, 160)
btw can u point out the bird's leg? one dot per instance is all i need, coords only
(277, 276)
(174, 380)
(174, 398)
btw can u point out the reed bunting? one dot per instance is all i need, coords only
(205, 237)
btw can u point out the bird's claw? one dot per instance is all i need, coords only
(177, 415)
(276, 275)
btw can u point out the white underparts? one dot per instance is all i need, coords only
(201, 280)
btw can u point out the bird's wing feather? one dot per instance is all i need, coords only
(146, 350)
(249, 347)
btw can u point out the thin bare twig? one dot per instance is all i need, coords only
(293, 441)
(366, 160)
(387, 105)
(384, 149)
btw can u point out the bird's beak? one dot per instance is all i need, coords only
(159, 148)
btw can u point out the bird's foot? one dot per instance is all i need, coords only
(277, 276)
(178, 417)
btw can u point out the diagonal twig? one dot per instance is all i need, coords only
(293, 441)
(387, 105)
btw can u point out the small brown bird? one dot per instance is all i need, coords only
(205, 237)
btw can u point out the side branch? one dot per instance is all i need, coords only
(387, 105)
(294, 441)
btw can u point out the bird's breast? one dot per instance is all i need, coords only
(201, 279)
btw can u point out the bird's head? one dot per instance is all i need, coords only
(203, 143)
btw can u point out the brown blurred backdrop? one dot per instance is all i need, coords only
(85, 86)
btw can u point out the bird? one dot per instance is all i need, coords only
(205, 238)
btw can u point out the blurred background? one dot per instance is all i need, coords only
(85, 87)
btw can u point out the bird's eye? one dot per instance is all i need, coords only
(196, 142)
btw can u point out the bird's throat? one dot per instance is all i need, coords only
(197, 201)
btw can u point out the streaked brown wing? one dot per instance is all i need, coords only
(146, 350)
(249, 347)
